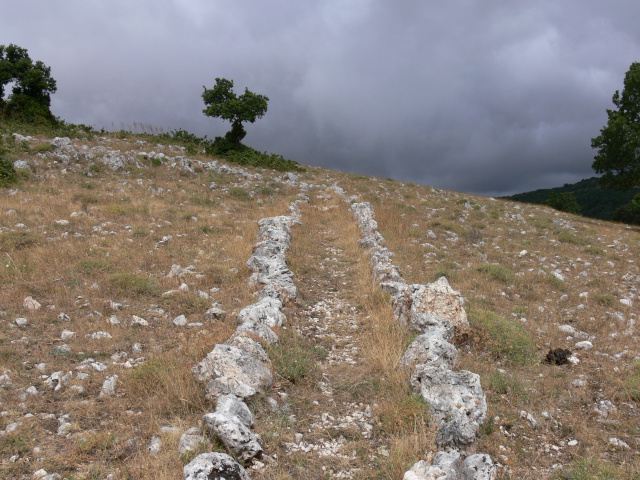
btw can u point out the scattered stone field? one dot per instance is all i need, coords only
(168, 315)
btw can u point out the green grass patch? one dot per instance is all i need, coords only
(589, 468)
(17, 240)
(504, 384)
(594, 250)
(605, 299)
(567, 237)
(86, 198)
(294, 358)
(499, 273)
(506, 339)
(239, 193)
(135, 284)
(92, 266)
(632, 382)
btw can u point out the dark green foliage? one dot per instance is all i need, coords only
(595, 200)
(629, 212)
(564, 201)
(30, 96)
(618, 144)
(222, 103)
(8, 175)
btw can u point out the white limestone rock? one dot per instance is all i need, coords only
(430, 348)
(437, 306)
(227, 369)
(30, 304)
(235, 435)
(478, 467)
(214, 466)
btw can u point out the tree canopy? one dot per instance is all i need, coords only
(564, 201)
(222, 102)
(30, 96)
(618, 144)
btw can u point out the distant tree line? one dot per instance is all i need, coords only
(593, 200)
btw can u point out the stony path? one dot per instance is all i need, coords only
(337, 436)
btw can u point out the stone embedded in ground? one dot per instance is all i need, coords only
(191, 440)
(109, 386)
(135, 320)
(234, 434)
(214, 313)
(450, 392)
(214, 466)
(437, 306)
(180, 321)
(229, 370)
(478, 467)
(430, 348)
(30, 304)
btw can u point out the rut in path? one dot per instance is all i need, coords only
(347, 422)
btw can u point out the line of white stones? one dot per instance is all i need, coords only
(239, 368)
(456, 398)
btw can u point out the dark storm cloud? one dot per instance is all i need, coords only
(485, 97)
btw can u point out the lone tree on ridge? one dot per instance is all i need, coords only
(221, 102)
(619, 141)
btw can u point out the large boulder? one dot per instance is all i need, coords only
(437, 306)
(214, 466)
(229, 370)
(450, 393)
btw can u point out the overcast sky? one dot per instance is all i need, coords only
(490, 97)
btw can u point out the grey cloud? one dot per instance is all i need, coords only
(489, 98)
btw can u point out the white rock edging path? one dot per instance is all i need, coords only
(456, 398)
(239, 368)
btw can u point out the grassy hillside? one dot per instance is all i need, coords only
(169, 234)
(596, 202)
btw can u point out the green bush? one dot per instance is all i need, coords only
(8, 174)
(507, 340)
